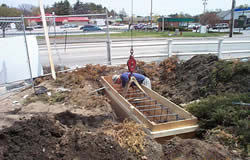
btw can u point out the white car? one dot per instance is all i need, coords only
(221, 26)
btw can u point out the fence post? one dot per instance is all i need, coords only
(162, 24)
(219, 54)
(27, 53)
(109, 52)
(170, 41)
(108, 40)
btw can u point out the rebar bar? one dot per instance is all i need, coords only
(151, 105)
(135, 93)
(138, 98)
(153, 109)
(163, 115)
(143, 101)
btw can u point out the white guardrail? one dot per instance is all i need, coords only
(170, 44)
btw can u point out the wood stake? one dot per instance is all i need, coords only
(47, 40)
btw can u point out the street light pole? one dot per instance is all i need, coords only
(151, 13)
(204, 3)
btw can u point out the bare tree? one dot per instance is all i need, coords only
(209, 18)
(26, 9)
(122, 13)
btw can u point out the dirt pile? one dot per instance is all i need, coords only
(72, 136)
(198, 77)
(76, 89)
(190, 78)
(177, 149)
(68, 136)
(77, 78)
(47, 69)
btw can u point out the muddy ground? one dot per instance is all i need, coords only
(69, 121)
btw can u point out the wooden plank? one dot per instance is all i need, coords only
(47, 40)
(175, 131)
(174, 124)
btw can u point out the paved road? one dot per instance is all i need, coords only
(79, 54)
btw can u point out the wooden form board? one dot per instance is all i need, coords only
(189, 120)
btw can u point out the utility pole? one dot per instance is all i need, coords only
(204, 4)
(232, 19)
(151, 13)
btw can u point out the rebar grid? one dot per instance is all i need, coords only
(149, 107)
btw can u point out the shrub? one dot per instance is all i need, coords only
(221, 110)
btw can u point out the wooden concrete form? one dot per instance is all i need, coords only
(186, 123)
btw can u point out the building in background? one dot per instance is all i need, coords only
(174, 22)
(241, 17)
(59, 20)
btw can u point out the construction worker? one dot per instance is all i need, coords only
(124, 78)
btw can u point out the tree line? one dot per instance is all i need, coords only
(62, 7)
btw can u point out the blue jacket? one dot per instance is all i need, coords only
(125, 78)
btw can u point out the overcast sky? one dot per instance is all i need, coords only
(142, 7)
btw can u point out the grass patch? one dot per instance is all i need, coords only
(141, 34)
(217, 111)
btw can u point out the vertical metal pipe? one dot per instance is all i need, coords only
(170, 41)
(3, 31)
(220, 49)
(54, 22)
(108, 40)
(151, 13)
(65, 41)
(27, 52)
(163, 24)
(55, 45)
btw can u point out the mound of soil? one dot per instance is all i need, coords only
(190, 77)
(44, 138)
(177, 149)
(33, 139)
(201, 76)
(77, 78)
(47, 69)
(67, 136)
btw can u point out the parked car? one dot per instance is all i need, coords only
(194, 26)
(29, 29)
(38, 27)
(147, 27)
(117, 24)
(221, 26)
(69, 26)
(90, 28)
(74, 25)
(139, 26)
